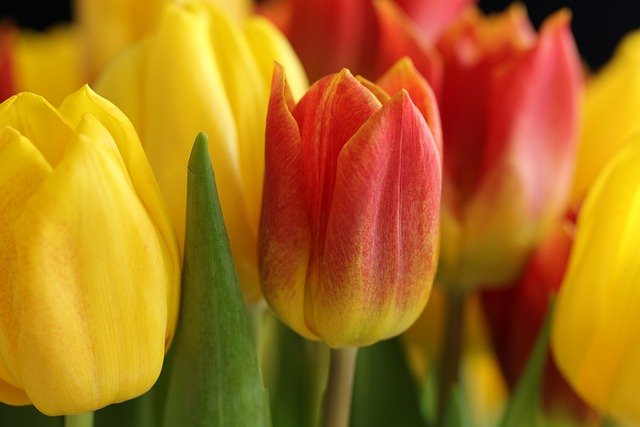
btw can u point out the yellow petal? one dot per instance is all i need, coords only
(596, 334)
(611, 110)
(23, 171)
(94, 283)
(38, 121)
(85, 101)
(49, 63)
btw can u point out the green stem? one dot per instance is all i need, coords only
(337, 398)
(80, 420)
(451, 351)
(256, 314)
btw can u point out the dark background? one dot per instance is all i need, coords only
(598, 25)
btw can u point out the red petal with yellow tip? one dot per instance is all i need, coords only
(379, 258)
(285, 239)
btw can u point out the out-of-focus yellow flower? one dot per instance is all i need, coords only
(596, 331)
(46, 63)
(611, 112)
(202, 71)
(89, 261)
(109, 25)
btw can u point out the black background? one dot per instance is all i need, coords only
(597, 25)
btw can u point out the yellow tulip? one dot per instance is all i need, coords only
(596, 331)
(202, 71)
(88, 259)
(611, 111)
(109, 25)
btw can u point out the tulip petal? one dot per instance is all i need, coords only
(94, 283)
(330, 113)
(85, 101)
(596, 334)
(23, 171)
(379, 259)
(398, 37)
(285, 239)
(433, 16)
(267, 44)
(403, 75)
(32, 116)
(7, 40)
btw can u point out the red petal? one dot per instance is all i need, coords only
(328, 115)
(398, 37)
(433, 16)
(284, 229)
(379, 260)
(403, 75)
(7, 40)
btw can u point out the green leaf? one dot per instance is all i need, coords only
(384, 391)
(523, 408)
(457, 413)
(215, 379)
(19, 416)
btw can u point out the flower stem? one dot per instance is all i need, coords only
(451, 351)
(80, 420)
(337, 398)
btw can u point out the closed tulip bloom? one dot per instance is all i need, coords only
(611, 111)
(596, 330)
(351, 204)
(202, 71)
(89, 261)
(510, 105)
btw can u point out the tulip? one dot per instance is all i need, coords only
(365, 36)
(611, 110)
(46, 63)
(188, 77)
(89, 260)
(516, 315)
(596, 330)
(434, 16)
(109, 25)
(349, 223)
(509, 110)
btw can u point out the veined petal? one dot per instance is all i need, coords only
(85, 101)
(81, 239)
(398, 36)
(268, 44)
(329, 114)
(22, 173)
(379, 259)
(596, 331)
(32, 116)
(403, 75)
(285, 238)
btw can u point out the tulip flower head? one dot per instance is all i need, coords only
(596, 331)
(203, 71)
(509, 108)
(89, 261)
(351, 203)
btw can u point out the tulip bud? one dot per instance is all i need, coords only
(202, 71)
(509, 114)
(595, 338)
(351, 203)
(88, 259)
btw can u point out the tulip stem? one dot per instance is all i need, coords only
(452, 349)
(337, 397)
(80, 420)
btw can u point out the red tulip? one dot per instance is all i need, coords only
(433, 16)
(7, 86)
(510, 105)
(348, 236)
